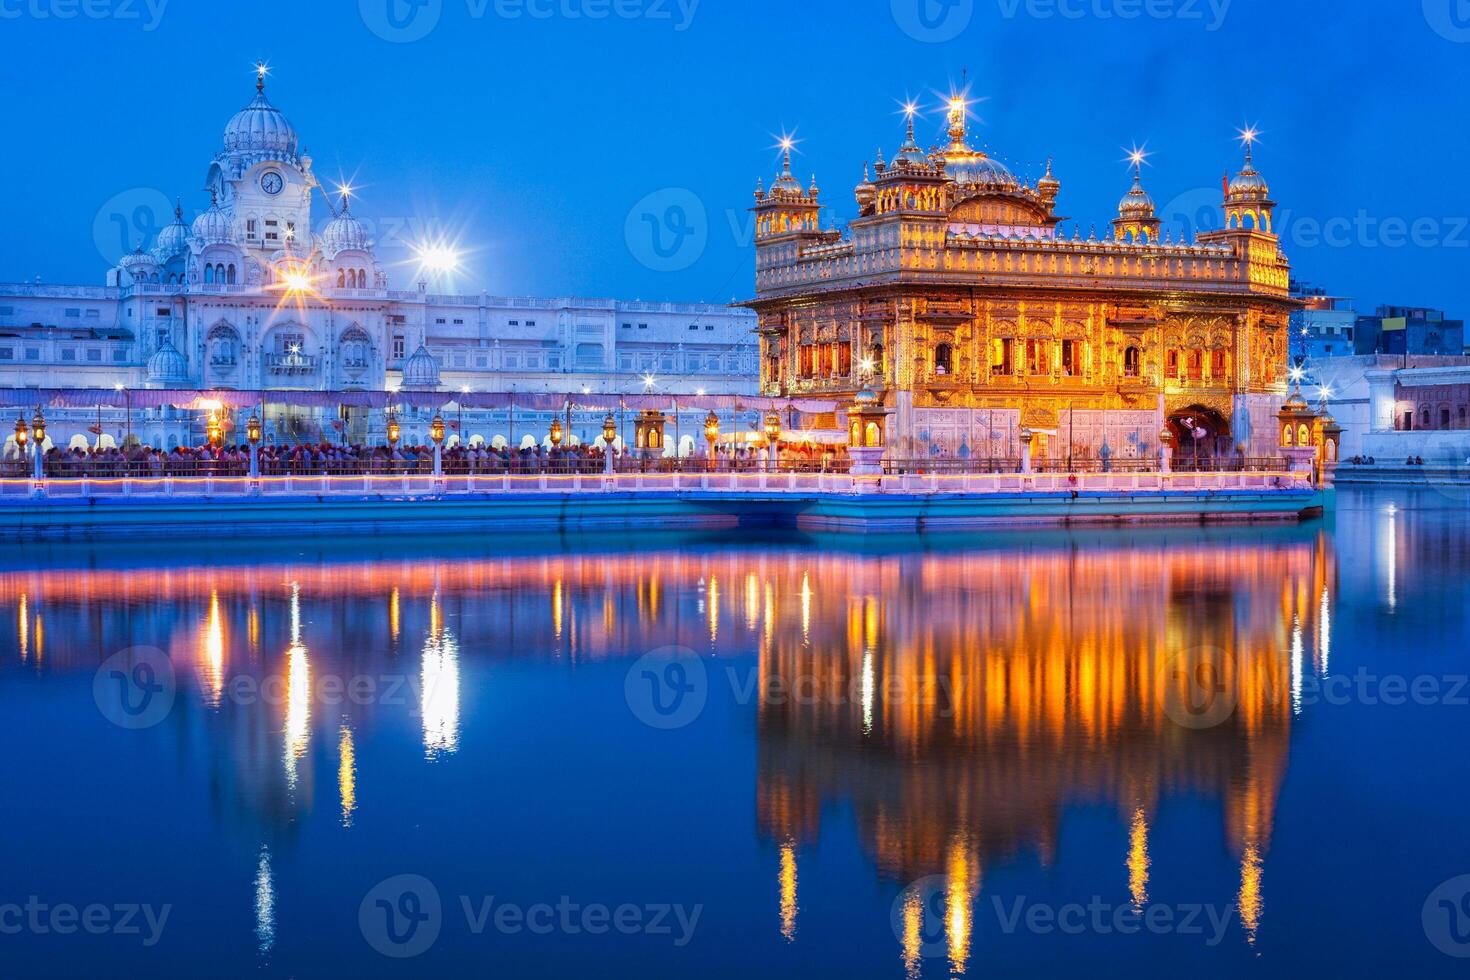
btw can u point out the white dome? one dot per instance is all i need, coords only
(342, 233)
(174, 239)
(213, 227)
(167, 365)
(261, 128)
(421, 370)
(138, 264)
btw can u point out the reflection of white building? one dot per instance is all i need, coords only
(259, 292)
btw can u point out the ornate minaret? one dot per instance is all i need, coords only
(1136, 220)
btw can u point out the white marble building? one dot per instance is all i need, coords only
(274, 286)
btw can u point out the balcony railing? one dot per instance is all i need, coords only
(291, 364)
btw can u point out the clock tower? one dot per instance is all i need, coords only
(261, 179)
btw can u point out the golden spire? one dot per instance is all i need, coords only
(958, 108)
(261, 70)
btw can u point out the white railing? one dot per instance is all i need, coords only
(425, 485)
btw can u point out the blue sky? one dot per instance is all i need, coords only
(554, 138)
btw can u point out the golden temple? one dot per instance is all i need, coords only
(955, 294)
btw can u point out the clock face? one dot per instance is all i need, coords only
(272, 182)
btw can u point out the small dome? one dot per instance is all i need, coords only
(167, 365)
(261, 128)
(421, 370)
(1296, 403)
(342, 233)
(174, 239)
(214, 227)
(865, 398)
(138, 264)
(1249, 183)
(1136, 203)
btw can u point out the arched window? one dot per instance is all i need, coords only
(361, 278)
(341, 278)
(230, 274)
(943, 359)
(209, 274)
(1132, 362)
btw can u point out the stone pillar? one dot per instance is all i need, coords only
(1166, 450)
(1027, 438)
(1382, 399)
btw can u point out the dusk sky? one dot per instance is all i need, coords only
(550, 138)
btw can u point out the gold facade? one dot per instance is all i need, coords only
(954, 293)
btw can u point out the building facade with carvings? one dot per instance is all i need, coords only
(274, 285)
(955, 294)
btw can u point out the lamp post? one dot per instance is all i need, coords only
(252, 436)
(609, 436)
(436, 433)
(773, 438)
(395, 432)
(38, 431)
(711, 435)
(22, 435)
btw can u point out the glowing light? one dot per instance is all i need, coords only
(297, 281)
(1325, 391)
(1138, 155)
(265, 903)
(959, 920)
(867, 692)
(788, 891)
(214, 654)
(1138, 859)
(298, 693)
(649, 381)
(910, 110)
(1250, 900)
(1249, 136)
(439, 698)
(867, 365)
(347, 774)
(1297, 374)
(438, 258)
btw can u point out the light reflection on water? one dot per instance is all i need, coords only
(944, 713)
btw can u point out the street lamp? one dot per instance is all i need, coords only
(22, 433)
(773, 435)
(395, 432)
(436, 433)
(609, 436)
(252, 436)
(213, 431)
(38, 427)
(712, 435)
(556, 433)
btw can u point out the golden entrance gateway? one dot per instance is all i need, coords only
(979, 313)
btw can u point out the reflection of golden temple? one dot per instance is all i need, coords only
(439, 694)
(298, 693)
(975, 697)
(788, 890)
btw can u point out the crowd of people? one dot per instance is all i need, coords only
(329, 459)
